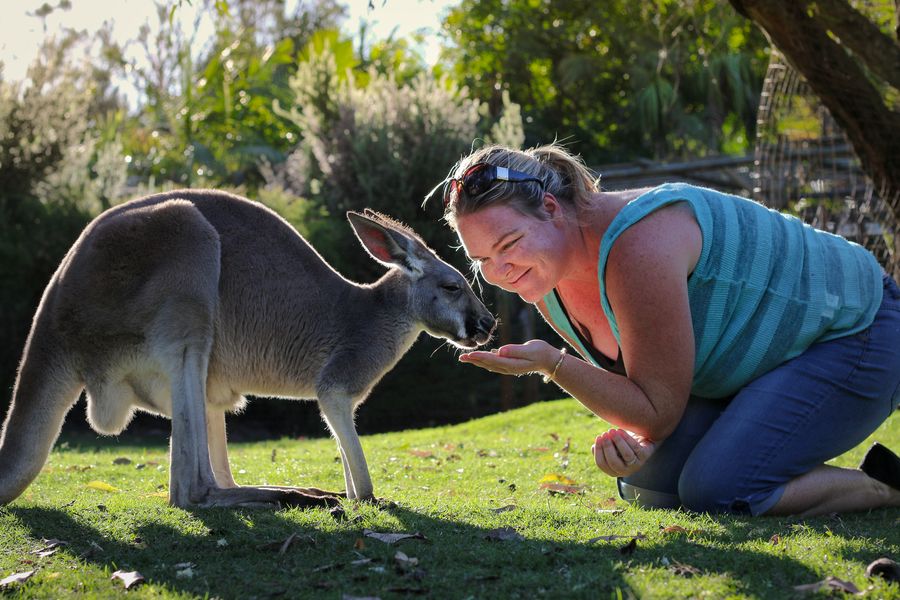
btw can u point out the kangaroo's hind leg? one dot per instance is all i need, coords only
(180, 336)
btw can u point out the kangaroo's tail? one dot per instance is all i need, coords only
(47, 386)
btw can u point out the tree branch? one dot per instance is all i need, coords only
(877, 51)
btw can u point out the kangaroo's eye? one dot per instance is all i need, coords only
(451, 287)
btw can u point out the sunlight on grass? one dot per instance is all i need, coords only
(472, 490)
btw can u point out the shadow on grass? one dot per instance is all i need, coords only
(235, 554)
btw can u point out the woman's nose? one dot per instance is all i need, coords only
(496, 274)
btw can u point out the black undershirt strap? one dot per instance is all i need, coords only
(612, 366)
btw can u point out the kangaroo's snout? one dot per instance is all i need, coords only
(480, 327)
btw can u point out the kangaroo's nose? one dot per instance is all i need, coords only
(486, 325)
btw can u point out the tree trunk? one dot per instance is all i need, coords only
(799, 28)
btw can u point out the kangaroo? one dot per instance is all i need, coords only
(182, 303)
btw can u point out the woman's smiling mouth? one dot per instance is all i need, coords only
(519, 278)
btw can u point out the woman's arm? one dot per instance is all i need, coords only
(646, 282)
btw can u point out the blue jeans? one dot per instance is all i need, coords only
(737, 455)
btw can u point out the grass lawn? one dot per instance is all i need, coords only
(474, 491)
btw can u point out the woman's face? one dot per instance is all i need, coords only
(519, 253)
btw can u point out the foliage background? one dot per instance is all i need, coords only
(286, 109)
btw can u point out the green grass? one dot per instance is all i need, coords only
(445, 483)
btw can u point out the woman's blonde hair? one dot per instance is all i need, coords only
(563, 174)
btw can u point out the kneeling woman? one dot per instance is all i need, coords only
(736, 348)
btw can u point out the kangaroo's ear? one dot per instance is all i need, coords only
(387, 245)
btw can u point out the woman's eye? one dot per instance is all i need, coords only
(510, 244)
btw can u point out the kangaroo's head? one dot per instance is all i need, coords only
(440, 299)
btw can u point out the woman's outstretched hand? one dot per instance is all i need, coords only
(535, 356)
(620, 453)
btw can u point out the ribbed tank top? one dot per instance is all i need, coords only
(765, 288)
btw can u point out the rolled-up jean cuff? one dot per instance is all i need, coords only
(763, 506)
(646, 498)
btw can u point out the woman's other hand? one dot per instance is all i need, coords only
(620, 453)
(535, 356)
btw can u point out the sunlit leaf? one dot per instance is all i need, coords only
(557, 478)
(16, 578)
(102, 486)
(129, 578)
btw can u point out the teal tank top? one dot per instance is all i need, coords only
(765, 288)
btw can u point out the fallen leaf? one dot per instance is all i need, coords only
(629, 548)
(557, 478)
(221, 542)
(359, 544)
(393, 538)
(503, 509)
(50, 547)
(885, 568)
(775, 539)
(829, 584)
(122, 460)
(129, 578)
(683, 570)
(674, 529)
(554, 436)
(405, 562)
(565, 449)
(102, 486)
(92, 549)
(186, 573)
(504, 534)
(422, 453)
(293, 539)
(610, 538)
(16, 578)
(559, 488)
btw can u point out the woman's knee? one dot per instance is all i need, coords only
(712, 488)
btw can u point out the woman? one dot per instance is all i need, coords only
(736, 348)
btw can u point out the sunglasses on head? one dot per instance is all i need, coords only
(480, 177)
